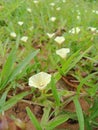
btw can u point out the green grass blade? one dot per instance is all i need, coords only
(71, 62)
(23, 64)
(57, 121)
(79, 113)
(84, 81)
(7, 68)
(12, 101)
(33, 119)
(3, 98)
(45, 116)
(19, 68)
(55, 93)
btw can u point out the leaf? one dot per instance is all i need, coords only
(19, 68)
(33, 119)
(57, 121)
(23, 64)
(45, 116)
(84, 80)
(94, 110)
(7, 68)
(12, 101)
(79, 113)
(3, 98)
(55, 93)
(71, 62)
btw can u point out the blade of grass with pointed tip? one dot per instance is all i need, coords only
(33, 119)
(71, 62)
(55, 93)
(84, 80)
(12, 101)
(79, 113)
(19, 68)
(57, 121)
(7, 68)
(45, 116)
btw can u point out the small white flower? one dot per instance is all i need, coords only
(40, 80)
(74, 30)
(95, 11)
(50, 35)
(63, 1)
(93, 29)
(20, 23)
(31, 28)
(58, 8)
(53, 19)
(78, 17)
(59, 39)
(52, 4)
(29, 10)
(24, 39)
(63, 52)
(35, 1)
(13, 34)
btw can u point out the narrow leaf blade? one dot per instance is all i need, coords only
(33, 119)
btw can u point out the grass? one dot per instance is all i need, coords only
(21, 59)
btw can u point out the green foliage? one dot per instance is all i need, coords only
(11, 102)
(33, 119)
(79, 113)
(15, 57)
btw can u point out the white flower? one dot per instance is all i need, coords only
(40, 80)
(58, 8)
(31, 28)
(35, 1)
(95, 11)
(50, 35)
(53, 19)
(59, 39)
(20, 23)
(24, 39)
(13, 34)
(93, 29)
(78, 17)
(63, 1)
(52, 4)
(74, 30)
(63, 52)
(29, 10)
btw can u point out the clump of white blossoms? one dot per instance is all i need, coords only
(53, 19)
(63, 52)
(50, 35)
(75, 30)
(59, 39)
(24, 39)
(20, 23)
(40, 80)
(13, 34)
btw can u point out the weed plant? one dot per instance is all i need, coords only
(28, 46)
